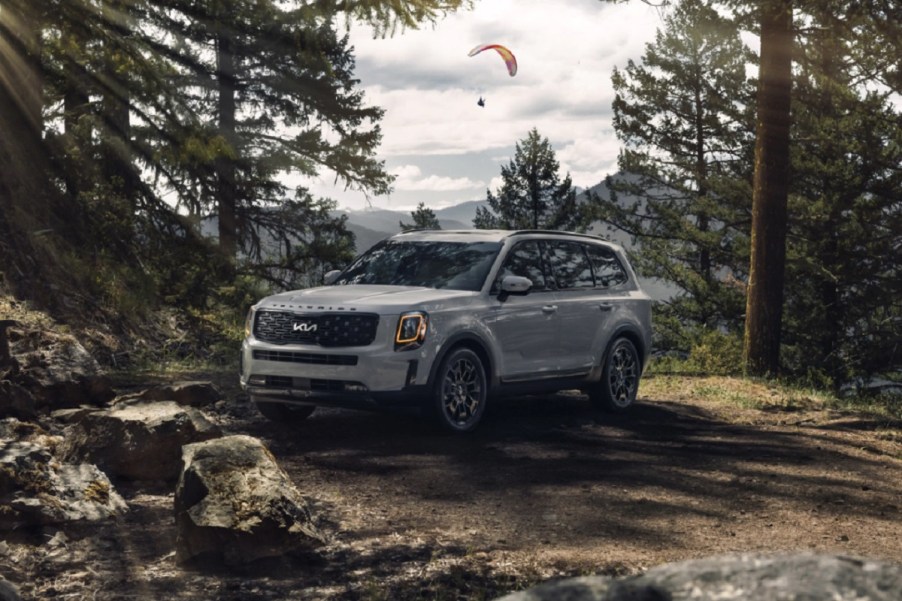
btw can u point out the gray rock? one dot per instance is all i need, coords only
(191, 394)
(235, 505)
(8, 591)
(13, 429)
(748, 577)
(59, 371)
(16, 401)
(137, 442)
(35, 489)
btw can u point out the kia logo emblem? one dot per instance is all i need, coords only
(303, 327)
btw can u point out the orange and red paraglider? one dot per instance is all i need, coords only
(509, 59)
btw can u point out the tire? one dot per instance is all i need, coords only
(616, 391)
(460, 391)
(284, 413)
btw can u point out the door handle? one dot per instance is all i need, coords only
(549, 308)
(605, 306)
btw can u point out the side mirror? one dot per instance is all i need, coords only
(331, 276)
(514, 284)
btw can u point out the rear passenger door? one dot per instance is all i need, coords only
(525, 327)
(581, 312)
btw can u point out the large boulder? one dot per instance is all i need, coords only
(35, 489)
(235, 505)
(747, 577)
(137, 442)
(57, 370)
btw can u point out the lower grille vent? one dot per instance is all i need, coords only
(311, 358)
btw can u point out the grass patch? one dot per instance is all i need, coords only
(750, 393)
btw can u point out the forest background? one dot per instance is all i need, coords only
(765, 186)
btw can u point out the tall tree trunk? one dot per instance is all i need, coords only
(764, 305)
(225, 164)
(76, 105)
(23, 205)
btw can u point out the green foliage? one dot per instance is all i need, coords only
(386, 16)
(137, 134)
(423, 219)
(711, 353)
(844, 269)
(683, 115)
(532, 196)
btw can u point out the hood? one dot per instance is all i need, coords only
(369, 299)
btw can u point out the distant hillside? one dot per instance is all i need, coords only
(372, 225)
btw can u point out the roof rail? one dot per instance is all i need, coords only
(558, 232)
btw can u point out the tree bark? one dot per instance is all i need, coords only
(225, 164)
(764, 304)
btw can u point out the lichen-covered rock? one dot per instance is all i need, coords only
(137, 442)
(235, 505)
(36, 489)
(58, 371)
(748, 577)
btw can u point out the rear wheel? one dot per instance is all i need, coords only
(460, 392)
(619, 378)
(282, 412)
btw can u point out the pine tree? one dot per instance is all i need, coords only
(423, 219)
(843, 315)
(532, 195)
(683, 115)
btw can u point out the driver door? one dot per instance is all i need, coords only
(525, 327)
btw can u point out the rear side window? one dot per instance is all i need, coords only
(570, 265)
(525, 260)
(607, 268)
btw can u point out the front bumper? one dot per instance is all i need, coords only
(359, 377)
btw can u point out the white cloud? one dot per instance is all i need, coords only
(428, 86)
(409, 177)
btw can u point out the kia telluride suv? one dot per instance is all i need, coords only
(446, 320)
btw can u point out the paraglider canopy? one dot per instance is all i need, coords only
(509, 59)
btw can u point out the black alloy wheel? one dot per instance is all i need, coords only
(460, 391)
(619, 379)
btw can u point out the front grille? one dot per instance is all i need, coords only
(325, 329)
(312, 358)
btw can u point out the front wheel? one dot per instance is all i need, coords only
(460, 391)
(283, 412)
(619, 378)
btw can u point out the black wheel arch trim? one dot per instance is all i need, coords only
(470, 340)
(634, 335)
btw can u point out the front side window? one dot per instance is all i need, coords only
(570, 265)
(525, 260)
(608, 270)
(430, 264)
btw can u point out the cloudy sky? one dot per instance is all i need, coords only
(446, 149)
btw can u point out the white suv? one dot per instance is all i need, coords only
(448, 319)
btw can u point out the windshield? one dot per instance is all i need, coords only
(454, 265)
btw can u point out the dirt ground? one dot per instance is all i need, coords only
(546, 488)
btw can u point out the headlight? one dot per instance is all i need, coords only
(411, 331)
(249, 322)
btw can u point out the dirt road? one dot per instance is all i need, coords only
(545, 488)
